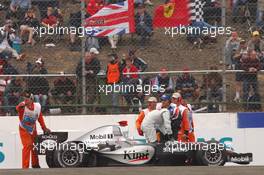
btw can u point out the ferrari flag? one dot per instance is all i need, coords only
(113, 19)
(178, 12)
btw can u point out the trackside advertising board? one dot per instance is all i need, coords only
(234, 130)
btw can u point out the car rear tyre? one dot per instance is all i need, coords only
(69, 158)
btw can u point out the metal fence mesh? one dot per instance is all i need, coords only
(74, 78)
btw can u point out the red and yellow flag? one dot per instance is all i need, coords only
(172, 14)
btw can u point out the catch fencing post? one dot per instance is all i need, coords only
(223, 21)
(84, 111)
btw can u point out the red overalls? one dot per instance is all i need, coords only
(28, 132)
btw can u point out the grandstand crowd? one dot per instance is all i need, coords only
(17, 31)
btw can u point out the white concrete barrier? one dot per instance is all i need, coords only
(221, 126)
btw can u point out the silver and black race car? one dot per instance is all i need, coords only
(109, 146)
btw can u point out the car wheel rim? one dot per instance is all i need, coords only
(213, 157)
(70, 158)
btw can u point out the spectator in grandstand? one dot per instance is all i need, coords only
(129, 68)
(39, 86)
(40, 66)
(92, 7)
(92, 68)
(63, 92)
(257, 44)
(140, 64)
(59, 15)
(3, 83)
(212, 90)
(251, 65)
(91, 42)
(232, 45)
(253, 101)
(50, 20)
(44, 4)
(28, 24)
(235, 9)
(130, 80)
(12, 96)
(260, 11)
(113, 76)
(136, 61)
(6, 67)
(2, 63)
(164, 82)
(18, 8)
(143, 24)
(7, 36)
(3, 5)
(212, 11)
(146, 2)
(186, 85)
(239, 54)
(198, 35)
(75, 22)
(113, 40)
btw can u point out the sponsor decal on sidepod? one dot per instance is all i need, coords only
(136, 156)
(101, 136)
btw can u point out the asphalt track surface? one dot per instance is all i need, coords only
(232, 170)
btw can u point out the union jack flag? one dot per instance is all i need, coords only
(113, 19)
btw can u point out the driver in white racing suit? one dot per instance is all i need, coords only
(157, 120)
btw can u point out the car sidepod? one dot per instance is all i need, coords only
(134, 155)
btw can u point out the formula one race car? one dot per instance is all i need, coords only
(107, 146)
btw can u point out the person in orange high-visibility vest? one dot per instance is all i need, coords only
(29, 112)
(181, 118)
(113, 71)
(191, 135)
(152, 102)
(113, 75)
